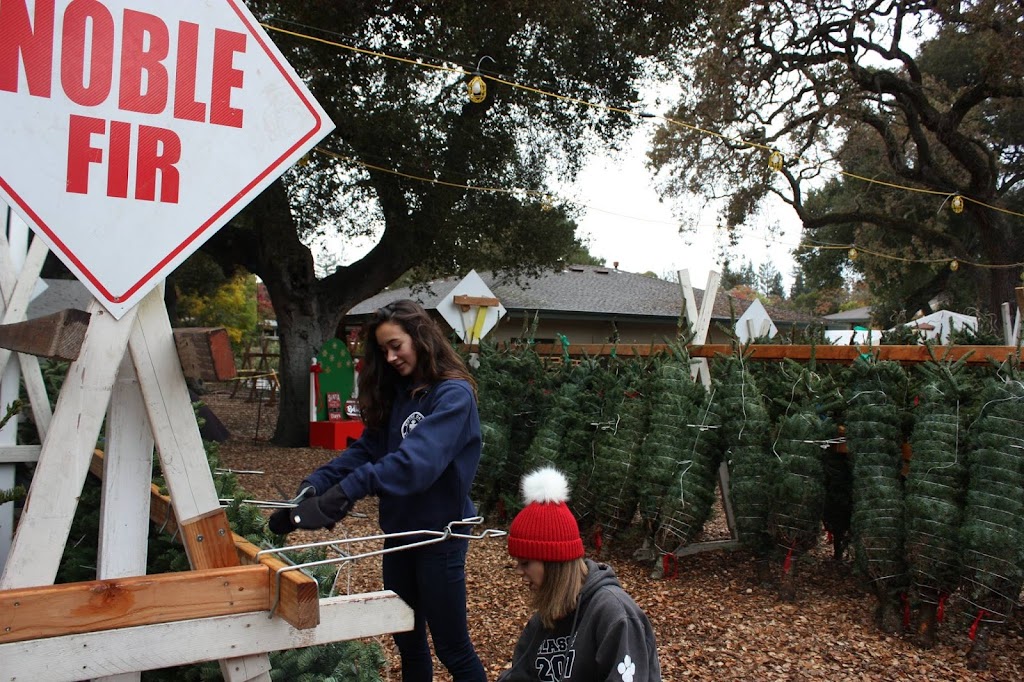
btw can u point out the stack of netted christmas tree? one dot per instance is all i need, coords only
(803, 432)
(992, 534)
(874, 436)
(935, 485)
(684, 454)
(609, 488)
(744, 434)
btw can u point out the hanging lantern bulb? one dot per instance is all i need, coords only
(852, 253)
(477, 90)
(957, 204)
(775, 160)
(954, 265)
(547, 202)
(477, 86)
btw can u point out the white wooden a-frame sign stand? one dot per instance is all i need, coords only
(149, 403)
(700, 324)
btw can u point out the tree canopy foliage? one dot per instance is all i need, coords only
(883, 113)
(446, 184)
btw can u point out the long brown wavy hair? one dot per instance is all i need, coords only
(436, 359)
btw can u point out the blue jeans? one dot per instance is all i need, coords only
(433, 583)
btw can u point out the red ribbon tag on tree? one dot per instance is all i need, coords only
(974, 626)
(788, 561)
(940, 612)
(598, 539)
(666, 561)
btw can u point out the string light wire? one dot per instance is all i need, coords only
(546, 196)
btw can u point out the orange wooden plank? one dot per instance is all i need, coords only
(208, 540)
(978, 355)
(300, 601)
(36, 612)
(299, 604)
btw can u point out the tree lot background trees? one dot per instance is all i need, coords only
(400, 120)
(922, 97)
(921, 94)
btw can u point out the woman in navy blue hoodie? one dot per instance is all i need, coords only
(418, 454)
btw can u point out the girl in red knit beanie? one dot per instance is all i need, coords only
(585, 627)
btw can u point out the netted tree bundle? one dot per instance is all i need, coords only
(798, 494)
(874, 438)
(688, 502)
(547, 441)
(589, 423)
(608, 489)
(936, 483)
(675, 407)
(506, 425)
(992, 532)
(743, 439)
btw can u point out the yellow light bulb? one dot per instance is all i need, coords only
(477, 90)
(852, 253)
(775, 160)
(957, 204)
(954, 265)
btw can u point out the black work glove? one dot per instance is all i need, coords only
(280, 522)
(322, 511)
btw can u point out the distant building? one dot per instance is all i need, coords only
(587, 304)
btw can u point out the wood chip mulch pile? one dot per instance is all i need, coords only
(713, 618)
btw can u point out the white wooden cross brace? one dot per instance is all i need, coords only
(700, 325)
(246, 636)
(67, 451)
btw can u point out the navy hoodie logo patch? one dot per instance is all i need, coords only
(410, 423)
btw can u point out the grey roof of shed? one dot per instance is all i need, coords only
(581, 290)
(59, 295)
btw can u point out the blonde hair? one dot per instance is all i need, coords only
(559, 594)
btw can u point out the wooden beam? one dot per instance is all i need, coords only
(299, 604)
(205, 353)
(58, 336)
(75, 608)
(979, 355)
(465, 301)
(12, 454)
(150, 647)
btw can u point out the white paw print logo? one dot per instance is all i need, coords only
(627, 669)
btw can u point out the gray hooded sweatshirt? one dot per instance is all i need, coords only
(606, 639)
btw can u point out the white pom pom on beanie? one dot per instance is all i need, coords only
(545, 530)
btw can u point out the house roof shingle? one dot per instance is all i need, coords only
(581, 290)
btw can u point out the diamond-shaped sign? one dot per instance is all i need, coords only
(132, 130)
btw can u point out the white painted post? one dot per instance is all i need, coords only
(10, 378)
(127, 474)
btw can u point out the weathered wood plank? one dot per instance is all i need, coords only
(75, 608)
(12, 454)
(150, 647)
(299, 603)
(127, 475)
(58, 336)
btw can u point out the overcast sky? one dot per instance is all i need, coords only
(626, 222)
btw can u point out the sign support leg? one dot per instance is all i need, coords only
(205, 532)
(66, 453)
